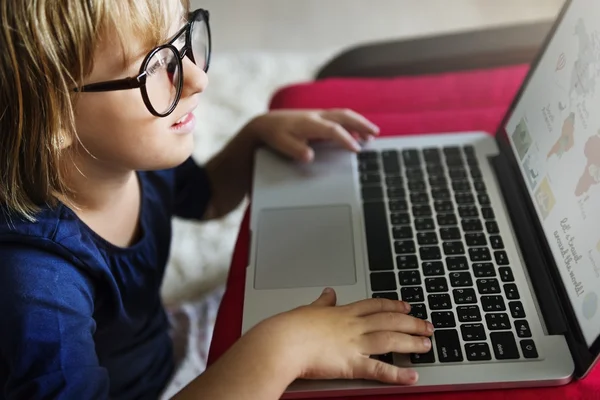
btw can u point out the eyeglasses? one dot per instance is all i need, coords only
(161, 75)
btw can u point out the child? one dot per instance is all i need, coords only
(96, 122)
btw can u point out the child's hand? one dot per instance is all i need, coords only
(289, 132)
(327, 342)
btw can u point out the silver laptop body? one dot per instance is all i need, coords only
(429, 219)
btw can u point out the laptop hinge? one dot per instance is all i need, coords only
(535, 258)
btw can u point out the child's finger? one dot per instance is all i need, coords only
(369, 368)
(386, 342)
(397, 322)
(352, 121)
(323, 129)
(292, 147)
(372, 306)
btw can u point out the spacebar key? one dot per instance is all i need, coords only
(378, 236)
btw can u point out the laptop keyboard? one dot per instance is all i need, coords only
(433, 241)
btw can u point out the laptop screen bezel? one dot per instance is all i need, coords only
(584, 356)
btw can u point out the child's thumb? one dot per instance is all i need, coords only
(327, 298)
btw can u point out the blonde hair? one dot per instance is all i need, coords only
(48, 48)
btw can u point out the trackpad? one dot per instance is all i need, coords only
(305, 247)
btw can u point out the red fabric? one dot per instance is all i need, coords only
(475, 100)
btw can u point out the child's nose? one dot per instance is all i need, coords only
(195, 79)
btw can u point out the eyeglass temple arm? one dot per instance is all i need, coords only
(120, 84)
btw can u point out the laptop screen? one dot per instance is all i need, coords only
(554, 132)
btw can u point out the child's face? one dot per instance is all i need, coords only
(117, 128)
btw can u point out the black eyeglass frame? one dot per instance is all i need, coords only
(139, 81)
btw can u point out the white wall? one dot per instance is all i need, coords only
(329, 24)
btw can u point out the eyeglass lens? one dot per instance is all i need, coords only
(164, 77)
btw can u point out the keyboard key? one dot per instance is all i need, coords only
(425, 238)
(478, 351)
(501, 257)
(426, 358)
(464, 198)
(493, 303)
(461, 186)
(398, 205)
(412, 294)
(400, 218)
(454, 161)
(447, 344)
(511, 291)
(528, 348)
(469, 151)
(516, 309)
(477, 254)
(391, 162)
(432, 155)
(433, 268)
(464, 296)
(468, 211)
(396, 193)
(430, 253)
(471, 225)
(461, 279)
(457, 263)
(522, 328)
(504, 345)
(368, 166)
(418, 311)
(439, 301)
(497, 322)
(387, 358)
(402, 232)
(411, 157)
(475, 239)
(468, 313)
(436, 169)
(368, 155)
(436, 285)
(484, 270)
(450, 234)
(496, 242)
(487, 213)
(443, 206)
(424, 224)
(479, 186)
(372, 193)
(419, 198)
(492, 227)
(370, 178)
(453, 248)
(386, 295)
(472, 332)
(437, 181)
(488, 286)
(440, 194)
(422, 211)
(409, 278)
(383, 281)
(405, 247)
(417, 186)
(443, 319)
(483, 198)
(506, 274)
(457, 173)
(379, 249)
(452, 151)
(407, 262)
(475, 172)
(447, 220)
(394, 181)
(414, 174)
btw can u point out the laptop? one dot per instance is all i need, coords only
(494, 239)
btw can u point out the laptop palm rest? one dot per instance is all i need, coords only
(305, 247)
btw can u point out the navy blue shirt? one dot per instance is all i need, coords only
(81, 318)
